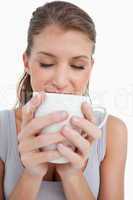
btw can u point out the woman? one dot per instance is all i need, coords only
(59, 58)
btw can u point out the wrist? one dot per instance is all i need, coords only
(37, 177)
(71, 176)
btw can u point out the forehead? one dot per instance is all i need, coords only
(59, 42)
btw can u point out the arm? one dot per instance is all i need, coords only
(1, 179)
(26, 188)
(72, 187)
(113, 166)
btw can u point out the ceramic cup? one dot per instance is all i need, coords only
(64, 102)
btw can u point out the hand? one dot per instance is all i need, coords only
(90, 132)
(30, 139)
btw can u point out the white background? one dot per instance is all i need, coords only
(111, 82)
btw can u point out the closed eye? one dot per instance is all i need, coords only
(81, 67)
(45, 65)
(78, 67)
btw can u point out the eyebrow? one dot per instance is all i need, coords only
(52, 55)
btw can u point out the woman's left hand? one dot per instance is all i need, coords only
(90, 132)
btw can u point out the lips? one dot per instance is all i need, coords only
(58, 92)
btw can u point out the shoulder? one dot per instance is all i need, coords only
(116, 131)
(115, 122)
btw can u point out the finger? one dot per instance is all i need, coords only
(88, 112)
(38, 123)
(29, 109)
(35, 158)
(42, 140)
(75, 138)
(71, 156)
(88, 127)
(87, 137)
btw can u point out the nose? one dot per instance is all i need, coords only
(60, 79)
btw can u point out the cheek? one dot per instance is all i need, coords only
(37, 78)
(81, 79)
(40, 78)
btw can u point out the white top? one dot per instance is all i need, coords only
(48, 190)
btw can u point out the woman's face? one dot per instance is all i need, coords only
(60, 61)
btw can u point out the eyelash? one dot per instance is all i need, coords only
(74, 66)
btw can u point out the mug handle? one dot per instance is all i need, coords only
(95, 108)
(102, 109)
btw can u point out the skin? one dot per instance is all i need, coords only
(61, 77)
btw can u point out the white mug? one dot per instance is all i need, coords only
(64, 102)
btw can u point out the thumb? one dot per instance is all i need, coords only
(29, 108)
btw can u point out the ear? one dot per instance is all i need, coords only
(26, 63)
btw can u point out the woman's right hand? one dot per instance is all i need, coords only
(30, 139)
